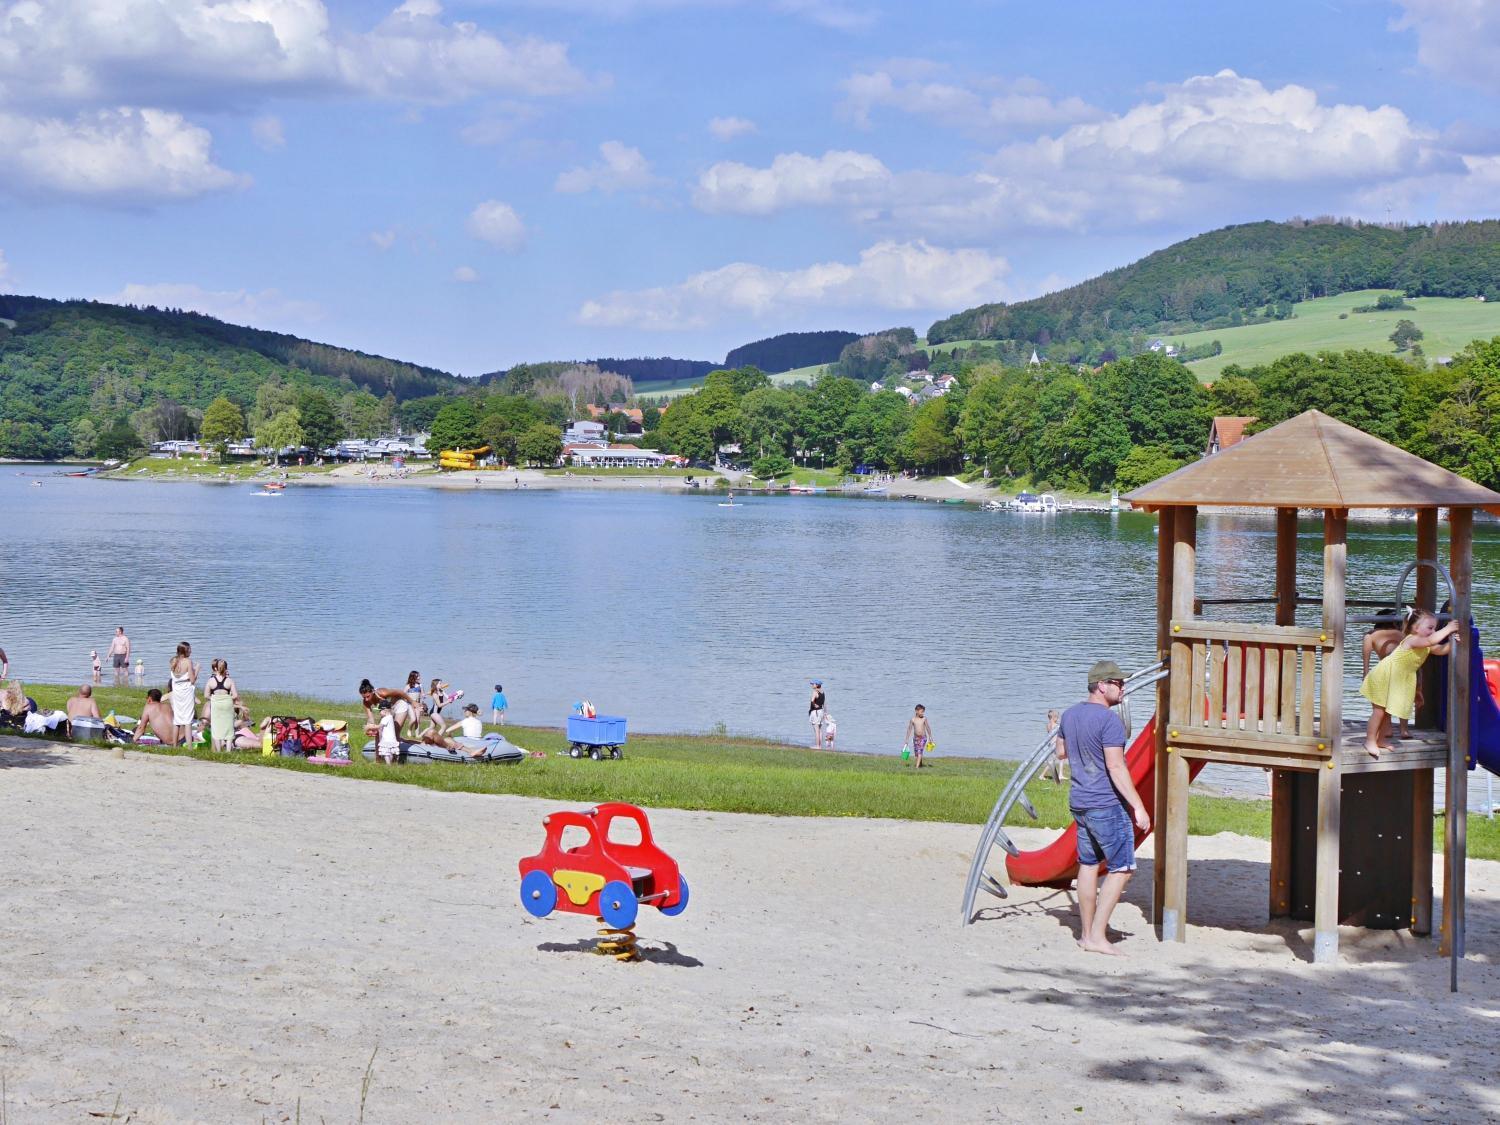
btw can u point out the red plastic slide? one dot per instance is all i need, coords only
(1056, 865)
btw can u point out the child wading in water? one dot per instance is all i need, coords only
(1392, 687)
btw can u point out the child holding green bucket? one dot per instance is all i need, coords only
(918, 739)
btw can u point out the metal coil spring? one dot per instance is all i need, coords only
(616, 943)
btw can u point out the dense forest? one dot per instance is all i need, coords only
(72, 371)
(1239, 275)
(1058, 426)
(790, 350)
(658, 369)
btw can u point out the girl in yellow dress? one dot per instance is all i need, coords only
(1392, 687)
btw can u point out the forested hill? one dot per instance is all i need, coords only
(1240, 275)
(69, 369)
(790, 350)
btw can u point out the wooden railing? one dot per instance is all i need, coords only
(1247, 689)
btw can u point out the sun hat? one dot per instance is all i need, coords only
(1104, 670)
(816, 683)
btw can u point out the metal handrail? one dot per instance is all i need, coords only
(1014, 794)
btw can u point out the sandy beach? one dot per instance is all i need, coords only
(189, 941)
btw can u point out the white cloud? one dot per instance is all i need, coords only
(1226, 127)
(383, 239)
(1200, 145)
(826, 13)
(1457, 39)
(187, 53)
(498, 224)
(268, 133)
(466, 274)
(269, 308)
(619, 168)
(986, 107)
(792, 180)
(413, 55)
(888, 276)
(728, 128)
(7, 279)
(123, 155)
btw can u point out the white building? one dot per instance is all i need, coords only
(585, 433)
(591, 456)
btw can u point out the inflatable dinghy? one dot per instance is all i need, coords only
(496, 749)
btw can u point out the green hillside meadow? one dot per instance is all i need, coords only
(1448, 323)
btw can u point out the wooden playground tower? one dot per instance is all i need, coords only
(1351, 835)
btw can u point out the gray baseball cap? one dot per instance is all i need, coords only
(1104, 670)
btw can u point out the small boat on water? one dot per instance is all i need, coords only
(730, 503)
(1029, 502)
(274, 486)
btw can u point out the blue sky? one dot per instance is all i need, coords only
(470, 185)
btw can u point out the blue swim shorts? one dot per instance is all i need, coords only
(1106, 836)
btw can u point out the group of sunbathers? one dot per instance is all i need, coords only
(394, 715)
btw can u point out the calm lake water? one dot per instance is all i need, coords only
(667, 609)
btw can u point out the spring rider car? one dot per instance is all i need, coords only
(602, 877)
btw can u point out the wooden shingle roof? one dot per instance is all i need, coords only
(1314, 461)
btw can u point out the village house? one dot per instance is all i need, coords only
(1224, 431)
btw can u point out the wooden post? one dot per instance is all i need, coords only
(1330, 726)
(1171, 832)
(1455, 832)
(1286, 566)
(1421, 852)
(1421, 803)
(1166, 536)
(1282, 780)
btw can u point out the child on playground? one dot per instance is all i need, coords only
(1392, 687)
(1381, 643)
(498, 705)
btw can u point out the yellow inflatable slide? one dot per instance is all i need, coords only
(461, 458)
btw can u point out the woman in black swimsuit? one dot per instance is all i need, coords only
(816, 709)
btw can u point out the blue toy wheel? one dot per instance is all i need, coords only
(682, 901)
(617, 905)
(538, 893)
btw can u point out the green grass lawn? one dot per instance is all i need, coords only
(197, 469)
(1448, 322)
(727, 774)
(949, 346)
(800, 375)
(814, 478)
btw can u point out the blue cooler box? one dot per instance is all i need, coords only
(603, 730)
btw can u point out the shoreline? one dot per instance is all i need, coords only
(378, 930)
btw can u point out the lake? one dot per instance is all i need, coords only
(672, 611)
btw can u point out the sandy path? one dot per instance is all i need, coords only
(211, 943)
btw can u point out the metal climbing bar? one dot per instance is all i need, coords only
(1014, 794)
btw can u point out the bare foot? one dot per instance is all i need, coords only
(1103, 947)
(1373, 751)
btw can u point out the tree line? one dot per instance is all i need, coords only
(1120, 425)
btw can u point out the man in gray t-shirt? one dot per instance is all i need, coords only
(1092, 738)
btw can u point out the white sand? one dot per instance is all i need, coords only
(202, 942)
